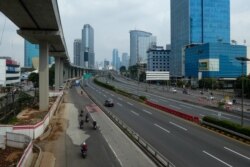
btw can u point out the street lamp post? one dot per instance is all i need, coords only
(242, 60)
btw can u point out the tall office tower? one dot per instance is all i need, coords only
(106, 64)
(115, 59)
(196, 21)
(139, 44)
(125, 60)
(87, 58)
(31, 51)
(77, 51)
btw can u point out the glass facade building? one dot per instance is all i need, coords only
(158, 59)
(139, 44)
(87, 58)
(30, 51)
(196, 21)
(214, 60)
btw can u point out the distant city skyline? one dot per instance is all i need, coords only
(112, 24)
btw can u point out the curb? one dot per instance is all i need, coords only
(39, 158)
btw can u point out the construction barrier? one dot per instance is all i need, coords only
(174, 112)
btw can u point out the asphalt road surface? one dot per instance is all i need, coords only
(176, 101)
(183, 143)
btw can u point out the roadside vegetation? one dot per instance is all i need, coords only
(228, 125)
(119, 91)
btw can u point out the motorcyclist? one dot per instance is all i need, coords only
(84, 147)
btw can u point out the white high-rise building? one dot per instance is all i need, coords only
(77, 51)
(125, 60)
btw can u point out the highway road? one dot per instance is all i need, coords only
(183, 143)
(177, 102)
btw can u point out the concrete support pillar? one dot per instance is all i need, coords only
(57, 73)
(43, 76)
(61, 72)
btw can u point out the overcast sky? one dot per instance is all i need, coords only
(112, 20)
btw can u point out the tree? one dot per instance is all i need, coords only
(34, 77)
(52, 75)
(122, 69)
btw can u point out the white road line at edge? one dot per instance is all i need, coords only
(115, 154)
(162, 128)
(120, 98)
(134, 112)
(130, 103)
(237, 153)
(217, 159)
(178, 126)
(147, 112)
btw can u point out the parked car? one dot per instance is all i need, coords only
(109, 102)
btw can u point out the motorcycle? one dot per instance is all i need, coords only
(84, 150)
(81, 124)
(84, 153)
(94, 125)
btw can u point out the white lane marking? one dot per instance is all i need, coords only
(119, 104)
(202, 115)
(130, 103)
(134, 112)
(104, 95)
(120, 98)
(147, 111)
(217, 159)
(185, 106)
(112, 95)
(174, 107)
(178, 126)
(115, 154)
(237, 153)
(154, 100)
(162, 128)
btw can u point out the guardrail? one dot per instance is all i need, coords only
(156, 156)
(226, 130)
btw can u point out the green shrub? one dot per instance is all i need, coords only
(143, 98)
(228, 125)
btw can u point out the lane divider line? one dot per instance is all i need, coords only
(178, 126)
(130, 103)
(120, 98)
(174, 107)
(237, 153)
(162, 128)
(217, 159)
(147, 112)
(134, 112)
(119, 104)
(185, 106)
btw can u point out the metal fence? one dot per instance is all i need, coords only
(12, 103)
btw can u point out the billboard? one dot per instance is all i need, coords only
(209, 65)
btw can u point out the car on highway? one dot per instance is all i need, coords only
(109, 102)
(173, 90)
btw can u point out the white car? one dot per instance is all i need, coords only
(173, 90)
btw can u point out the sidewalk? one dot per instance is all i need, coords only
(127, 153)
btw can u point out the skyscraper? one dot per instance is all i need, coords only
(115, 59)
(125, 60)
(196, 21)
(77, 51)
(140, 42)
(30, 51)
(87, 58)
